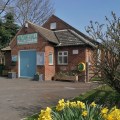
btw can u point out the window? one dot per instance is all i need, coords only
(63, 57)
(40, 58)
(50, 58)
(53, 26)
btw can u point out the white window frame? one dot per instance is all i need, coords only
(62, 57)
(53, 25)
(50, 53)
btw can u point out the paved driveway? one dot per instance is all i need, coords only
(22, 97)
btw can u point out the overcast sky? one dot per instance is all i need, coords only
(78, 13)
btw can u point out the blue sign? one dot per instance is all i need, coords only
(14, 58)
(27, 39)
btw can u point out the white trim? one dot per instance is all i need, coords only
(51, 53)
(62, 56)
(28, 50)
(19, 62)
(61, 30)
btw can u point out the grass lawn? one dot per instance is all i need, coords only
(103, 96)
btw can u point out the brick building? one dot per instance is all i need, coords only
(54, 47)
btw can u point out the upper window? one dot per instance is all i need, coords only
(50, 58)
(53, 26)
(63, 57)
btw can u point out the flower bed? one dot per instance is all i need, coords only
(79, 111)
(69, 78)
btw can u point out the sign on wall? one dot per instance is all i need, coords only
(27, 39)
(40, 58)
(14, 58)
(75, 52)
(81, 66)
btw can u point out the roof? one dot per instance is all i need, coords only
(6, 48)
(69, 38)
(48, 34)
(66, 37)
(85, 40)
(74, 29)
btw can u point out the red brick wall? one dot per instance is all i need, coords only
(73, 59)
(8, 60)
(84, 55)
(43, 46)
(49, 69)
(59, 23)
(39, 47)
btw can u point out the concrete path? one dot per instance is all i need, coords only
(20, 98)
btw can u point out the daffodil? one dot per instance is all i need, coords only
(93, 104)
(114, 115)
(73, 104)
(61, 105)
(84, 113)
(67, 104)
(81, 104)
(104, 110)
(45, 114)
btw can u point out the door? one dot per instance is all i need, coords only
(27, 63)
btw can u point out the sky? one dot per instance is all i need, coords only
(79, 13)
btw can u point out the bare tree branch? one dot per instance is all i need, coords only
(107, 63)
(36, 11)
(3, 5)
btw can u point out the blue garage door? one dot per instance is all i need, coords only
(27, 63)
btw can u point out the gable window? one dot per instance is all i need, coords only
(53, 26)
(50, 58)
(62, 57)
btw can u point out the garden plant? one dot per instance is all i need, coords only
(79, 111)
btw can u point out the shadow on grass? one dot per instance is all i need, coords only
(102, 96)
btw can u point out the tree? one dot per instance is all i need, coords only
(8, 30)
(4, 35)
(10, 25)
(36, 11)
(107, 62)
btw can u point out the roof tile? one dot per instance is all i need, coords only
(48, 34)
(66, 38)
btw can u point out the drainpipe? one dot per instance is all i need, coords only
(87, 66)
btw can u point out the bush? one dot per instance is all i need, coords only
(79, 111)
(106, 58)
